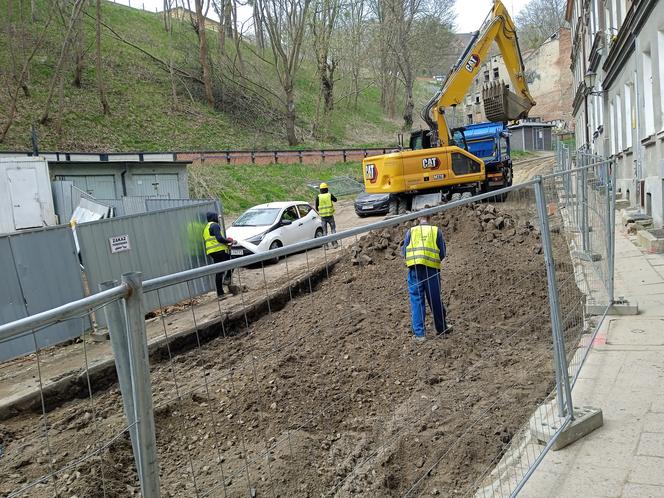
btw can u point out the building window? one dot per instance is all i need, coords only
(614, 14)
(477, 99)
(496, 73)
(648, 111)
(628, 116)
(486, 75)
(470, 118)
(619, 123)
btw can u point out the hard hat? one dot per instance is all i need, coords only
(323, 185)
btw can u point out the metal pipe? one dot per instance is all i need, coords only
(204, 271)
(612, 231)
(24, 325)
(117, 330)
(147, 463)
(564, 391)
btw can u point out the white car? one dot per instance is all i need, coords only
(273, 225)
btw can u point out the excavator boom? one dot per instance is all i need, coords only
(500, 102)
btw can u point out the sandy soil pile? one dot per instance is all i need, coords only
(330, 396)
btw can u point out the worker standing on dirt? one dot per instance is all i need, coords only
(424, 250)
(325, 207)
(217, 246)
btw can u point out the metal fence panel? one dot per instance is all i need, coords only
(43, 281)
(62, 199)
(160, 243)
(157, 204)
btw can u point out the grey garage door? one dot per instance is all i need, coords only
(157, 185)
(98, 186)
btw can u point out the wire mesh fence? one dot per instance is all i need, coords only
(308, 381)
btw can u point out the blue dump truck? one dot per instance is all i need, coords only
(491, 143)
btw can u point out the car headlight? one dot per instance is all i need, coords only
(256, 239)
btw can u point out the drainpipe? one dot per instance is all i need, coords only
(124, 181)
(637, 144)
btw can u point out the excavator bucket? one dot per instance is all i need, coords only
(501, 104)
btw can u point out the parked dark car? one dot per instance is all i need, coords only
(367, 204)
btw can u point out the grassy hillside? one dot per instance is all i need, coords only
(143, 116)
(242, 186)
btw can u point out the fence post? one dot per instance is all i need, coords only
(585, 234)
(611, 200)
(117, 330)
(146, 464)
(563, 390)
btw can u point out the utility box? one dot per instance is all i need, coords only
(26, 200)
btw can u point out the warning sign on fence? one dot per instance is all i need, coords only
(119, 243)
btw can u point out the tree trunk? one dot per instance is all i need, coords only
(203, 53)
(105, 109)
(326, 72)
(14, 95)
(258, 27)
(75, 13)
(290, 115)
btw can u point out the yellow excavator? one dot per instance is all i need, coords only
(438, 167)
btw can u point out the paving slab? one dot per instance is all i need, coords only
(624, 376)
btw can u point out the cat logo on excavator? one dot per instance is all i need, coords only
(472, 62)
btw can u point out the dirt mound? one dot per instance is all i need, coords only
(330, 395)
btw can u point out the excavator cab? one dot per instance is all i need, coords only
(421, 139)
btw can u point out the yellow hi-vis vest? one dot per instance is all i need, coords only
(325, 205)
(211, 242)
(422, 249)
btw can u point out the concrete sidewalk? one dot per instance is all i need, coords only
(624, 376)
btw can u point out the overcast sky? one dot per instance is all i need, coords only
(470, 13)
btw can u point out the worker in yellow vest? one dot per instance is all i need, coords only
(217, 246)
(424, 250)
(325, 207)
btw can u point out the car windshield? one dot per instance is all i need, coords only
(257, 217)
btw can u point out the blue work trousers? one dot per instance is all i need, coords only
(424, 282)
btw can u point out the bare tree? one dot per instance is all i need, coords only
(355, 34)
(100, 77)
(324, 20)
(285, 22)
(76, 8)
(539, 19)
(198, 22)
(15, 91)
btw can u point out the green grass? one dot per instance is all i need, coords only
(521, 154)
(242, 186)
(139, 92)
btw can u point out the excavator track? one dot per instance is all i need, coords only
(501, 104)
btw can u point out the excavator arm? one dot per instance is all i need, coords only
(500, 103)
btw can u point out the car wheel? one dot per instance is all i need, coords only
(275, 245)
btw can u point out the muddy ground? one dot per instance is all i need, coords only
(329, 395)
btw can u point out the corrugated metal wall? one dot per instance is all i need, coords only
(35, 280)
(157, 204)
(161, 242)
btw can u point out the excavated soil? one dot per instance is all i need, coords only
(330, 395)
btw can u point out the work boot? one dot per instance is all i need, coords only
(419, 338)
(448, 330)
(221, 297)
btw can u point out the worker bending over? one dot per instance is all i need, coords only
(424, 250)
(217, 246)
(325, 207)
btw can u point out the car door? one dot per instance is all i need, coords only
(308, 222)
(289, 231)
